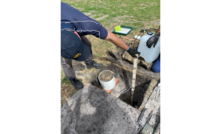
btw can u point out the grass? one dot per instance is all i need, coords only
(134, 13)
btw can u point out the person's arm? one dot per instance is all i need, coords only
(152, 41)
(158, 30)
(118, 42)
(99, 31)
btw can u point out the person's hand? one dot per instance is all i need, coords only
(133, 52)
(152, 41)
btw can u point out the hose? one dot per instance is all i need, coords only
(123, 91)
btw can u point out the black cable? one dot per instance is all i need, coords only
(138, 36)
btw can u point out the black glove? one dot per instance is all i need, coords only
(133, 52)
(152, 40)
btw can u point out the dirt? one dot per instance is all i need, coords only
(80, 67)
(106, 76)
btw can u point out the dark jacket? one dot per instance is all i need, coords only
(75, 20)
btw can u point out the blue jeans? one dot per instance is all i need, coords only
(157, 66)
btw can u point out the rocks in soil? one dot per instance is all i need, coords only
(141, 62)
(144, 64)
(79, 74)
(80, 67)
(127, 57)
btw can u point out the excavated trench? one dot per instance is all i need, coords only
(125, 81)
(122, 66)
(106, 111)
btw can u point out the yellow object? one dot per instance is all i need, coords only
(117, 28)
(76, 55)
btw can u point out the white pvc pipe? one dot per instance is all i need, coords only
(108, 85)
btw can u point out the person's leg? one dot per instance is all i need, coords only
(69, 73)
(67, 68)
(88, 43)
(89, 62)
(157, 66)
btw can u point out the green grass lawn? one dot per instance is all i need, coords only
(135, 13)
(111, 13)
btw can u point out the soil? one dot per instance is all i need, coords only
(106, 76)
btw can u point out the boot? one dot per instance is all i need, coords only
(76, 83)
(93, 64)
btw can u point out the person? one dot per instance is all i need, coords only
(152, 41)
(75, 46)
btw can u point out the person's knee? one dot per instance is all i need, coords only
(66, 62)
(157, 66)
